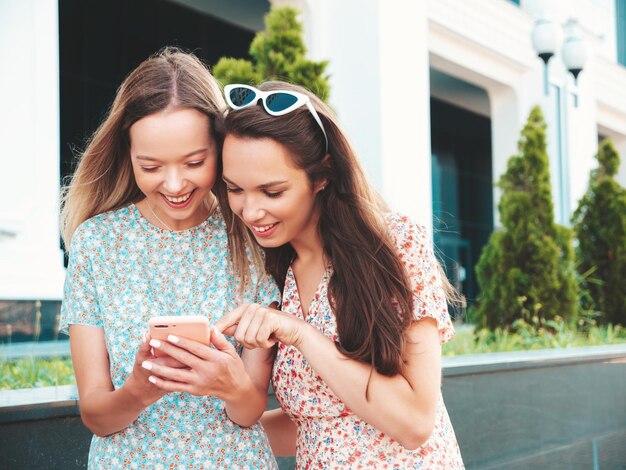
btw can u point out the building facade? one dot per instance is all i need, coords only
(432, 93)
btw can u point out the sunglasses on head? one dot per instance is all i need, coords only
(275, 102)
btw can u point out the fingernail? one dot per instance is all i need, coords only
(216, 331)
(146, 365)
(145, 338)
(172, 339)
(152, 379)
(155, 343)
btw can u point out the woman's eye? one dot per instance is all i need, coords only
(149, 169)
(195, 164)
(233, 190)
(273, 193)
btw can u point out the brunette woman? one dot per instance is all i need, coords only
(364, 313)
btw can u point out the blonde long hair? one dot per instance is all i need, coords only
(104, 178)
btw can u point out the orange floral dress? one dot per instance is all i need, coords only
(330, 435)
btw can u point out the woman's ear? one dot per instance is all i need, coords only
(321, 185)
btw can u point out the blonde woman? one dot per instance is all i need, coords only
(146, 237)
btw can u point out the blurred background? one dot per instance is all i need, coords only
(434, 95)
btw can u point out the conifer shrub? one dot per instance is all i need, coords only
(600, 226)
(526, 270)
(278, 53)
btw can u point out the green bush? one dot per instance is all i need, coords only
(278, 53)
(31, 372)
(526, 271)
(600, 227)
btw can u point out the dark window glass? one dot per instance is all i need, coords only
(620, 16)
(462, 190)
(100, 42)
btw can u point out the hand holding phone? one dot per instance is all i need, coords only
(194, 327)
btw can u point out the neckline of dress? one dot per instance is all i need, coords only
(150, 227)
(323, 281)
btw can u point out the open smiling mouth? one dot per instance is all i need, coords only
(263, 230)
(180, 201)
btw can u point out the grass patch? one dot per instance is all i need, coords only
(30, 372)
(552, 334)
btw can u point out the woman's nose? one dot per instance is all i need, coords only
(252, 211)
(174, 182)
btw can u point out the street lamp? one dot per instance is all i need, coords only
(574, 49)
(546, 38)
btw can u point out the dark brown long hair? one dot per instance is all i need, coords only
(369, 290)
(104, 178)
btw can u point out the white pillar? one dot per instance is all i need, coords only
(380, 90)
(30, 257)
(405, 108)
(346, 34)
(506, 123)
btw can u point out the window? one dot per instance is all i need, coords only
(620, 17)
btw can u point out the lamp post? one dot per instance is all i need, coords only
(574, 51)
(546, 38)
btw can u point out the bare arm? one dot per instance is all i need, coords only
(248, 409)
(103, 409)
(402, 406)
(281, 431)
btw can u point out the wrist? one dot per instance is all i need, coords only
(302, 332)
(134, 395)
(242, 392)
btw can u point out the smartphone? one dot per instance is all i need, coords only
(195, 327)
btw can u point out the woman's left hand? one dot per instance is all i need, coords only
(255, 326)
(215, 371)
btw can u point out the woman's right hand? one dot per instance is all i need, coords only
(104, 408)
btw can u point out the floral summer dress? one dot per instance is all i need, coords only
(330, 435)
(124, 270)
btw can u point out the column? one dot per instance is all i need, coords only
(30, 256)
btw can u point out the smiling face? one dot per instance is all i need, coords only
(268, 193)
(175, 165)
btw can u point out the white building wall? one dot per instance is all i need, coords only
(486, 43)
(31, 262)
(596, 17)
(378, 49)
(346, 33)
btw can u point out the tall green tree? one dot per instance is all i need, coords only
(278, 53)
(600, 226)
(526, 269)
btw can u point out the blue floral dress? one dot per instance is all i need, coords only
(122, 271)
